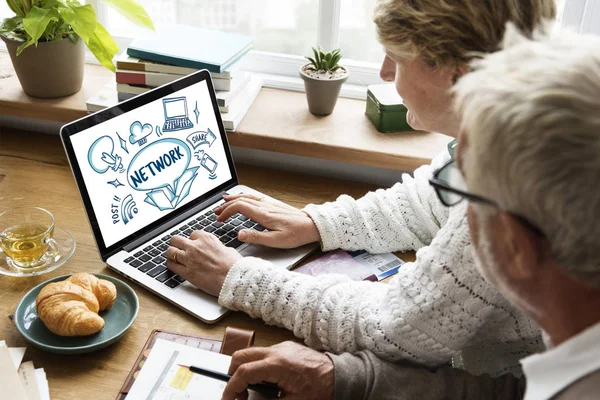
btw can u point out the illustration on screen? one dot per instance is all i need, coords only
(139, 133)
(161, 170)
(176, 114)
(102, 156)
(196, 112)
(128, 209)
(115, 183)
(200, 138)
(208, 163)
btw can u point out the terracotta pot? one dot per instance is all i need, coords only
(322, 94)
(52, 69)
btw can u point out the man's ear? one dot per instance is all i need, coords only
(524, 249)
(458, 72)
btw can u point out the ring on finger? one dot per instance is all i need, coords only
(175, 255)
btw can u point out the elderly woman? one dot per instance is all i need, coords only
(437, 307)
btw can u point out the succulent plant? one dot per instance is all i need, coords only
(324, 61)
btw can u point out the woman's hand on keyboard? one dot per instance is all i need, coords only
(202, 260)
(287, 227)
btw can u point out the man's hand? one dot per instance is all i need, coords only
(202, 260)
(287, 226)
(302, 373)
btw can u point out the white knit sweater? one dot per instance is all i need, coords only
(435, 309)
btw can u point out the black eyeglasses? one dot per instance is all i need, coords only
(451, 188)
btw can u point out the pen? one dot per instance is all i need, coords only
(266, 388)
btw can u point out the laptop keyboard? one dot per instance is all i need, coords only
(176, 124)
(151, 259)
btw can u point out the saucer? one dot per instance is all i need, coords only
(49, 261)
(117, 321)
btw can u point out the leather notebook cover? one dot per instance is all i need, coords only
(234, 339)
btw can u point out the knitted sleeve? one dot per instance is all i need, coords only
(428, 313)
(405, 217)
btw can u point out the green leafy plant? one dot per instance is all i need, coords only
(325, 61)
(48, 20)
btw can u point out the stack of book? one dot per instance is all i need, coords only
(174, 51)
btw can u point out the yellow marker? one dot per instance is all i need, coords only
(182, 378)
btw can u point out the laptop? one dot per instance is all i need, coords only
(141, 185)
(176, 114)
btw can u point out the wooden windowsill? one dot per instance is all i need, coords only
(277, 121)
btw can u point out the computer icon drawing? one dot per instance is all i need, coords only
(176, 114)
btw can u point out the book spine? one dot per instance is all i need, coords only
(146, 79)
(165, 69)
(133, 52)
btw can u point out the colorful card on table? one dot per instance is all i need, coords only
(358, 265)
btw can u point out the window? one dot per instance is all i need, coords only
(4, 10)
(357, 37)
(285, 30)
(288, 27)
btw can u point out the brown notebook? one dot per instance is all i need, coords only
(234, 339)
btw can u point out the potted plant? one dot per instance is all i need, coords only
(323, 78)
(45, 40)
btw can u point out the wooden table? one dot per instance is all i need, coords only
(34, 171)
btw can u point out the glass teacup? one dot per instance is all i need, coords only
(26, 236)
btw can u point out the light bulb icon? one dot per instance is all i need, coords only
(102, 157)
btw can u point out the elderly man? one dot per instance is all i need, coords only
(528, 163)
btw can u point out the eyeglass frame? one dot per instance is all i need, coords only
(440, 185)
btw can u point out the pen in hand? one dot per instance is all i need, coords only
(266, 388)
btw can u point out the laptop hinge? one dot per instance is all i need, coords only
(175, 221)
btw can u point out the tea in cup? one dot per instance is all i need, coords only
(26, 236)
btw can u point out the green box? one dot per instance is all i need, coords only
(385, 108)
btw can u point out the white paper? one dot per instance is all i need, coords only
(16, 354)
(29, 380)
(42, 382)
(156, 379)
(10, 383)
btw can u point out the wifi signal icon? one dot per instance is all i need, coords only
(128, 209)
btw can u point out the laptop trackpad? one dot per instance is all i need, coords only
(279, 257)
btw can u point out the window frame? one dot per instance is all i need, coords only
(281, 70)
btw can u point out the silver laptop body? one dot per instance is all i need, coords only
(139, 185)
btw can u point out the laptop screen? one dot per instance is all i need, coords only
(141, 165)
(175, 108)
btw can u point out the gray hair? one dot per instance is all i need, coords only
(532, 112)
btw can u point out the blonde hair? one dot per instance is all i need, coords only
(532, 116)
(451, 32)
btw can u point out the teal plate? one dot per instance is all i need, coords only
(116, 321)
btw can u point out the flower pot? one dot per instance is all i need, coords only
(322, 94)
(52, 69)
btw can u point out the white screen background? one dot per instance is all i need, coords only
(107, 168)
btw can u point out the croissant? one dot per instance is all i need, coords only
(68, 308)
(105, 291)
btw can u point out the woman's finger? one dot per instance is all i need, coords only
(229, 197)
(176, 255)
(244, 207)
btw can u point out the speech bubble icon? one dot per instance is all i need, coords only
(159, 165)
(199, 138)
